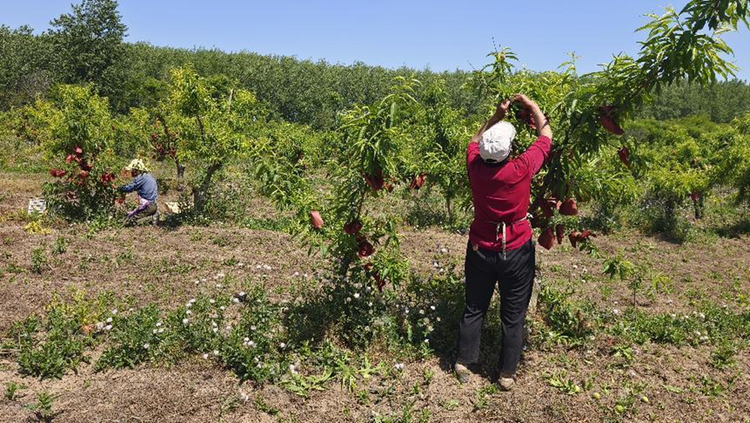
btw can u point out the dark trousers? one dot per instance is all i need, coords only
(143, 216)
(515, 277)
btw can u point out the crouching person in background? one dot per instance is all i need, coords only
(144, 184)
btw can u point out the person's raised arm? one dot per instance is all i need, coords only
(543, 128)
(500, 112)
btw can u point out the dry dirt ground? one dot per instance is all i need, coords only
(158, 265)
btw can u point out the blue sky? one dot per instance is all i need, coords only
(440, 35)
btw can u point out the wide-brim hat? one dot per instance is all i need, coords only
(137, 164)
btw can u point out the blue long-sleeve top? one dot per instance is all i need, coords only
(145, 185)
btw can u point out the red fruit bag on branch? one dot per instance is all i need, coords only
(608, 120)
(353, 227)
(315, 220)
(559, 233)
(624, 155)
(569, 208)
(365, 249)
(418, 181)
(375, 181)
(57, 173)
(379, 280)
(547, 239)
(573, 238)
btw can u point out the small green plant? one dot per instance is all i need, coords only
(60, 246)
(11, 389)
(302, 385)
(481, 400)
(42, 408)
(262, 406)
(723, 357)
(38, 260)
(618, 266)
(625, 352)
(570, 323)
(562, 383)
(711, 387)
(51, 346)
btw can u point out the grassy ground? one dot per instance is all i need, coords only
(586, 360)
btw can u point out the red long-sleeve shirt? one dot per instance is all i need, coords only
(501, 194)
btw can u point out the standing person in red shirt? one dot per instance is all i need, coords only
(500, 248)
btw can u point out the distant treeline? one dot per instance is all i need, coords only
(86, 46)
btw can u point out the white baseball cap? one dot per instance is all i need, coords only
(495, 145)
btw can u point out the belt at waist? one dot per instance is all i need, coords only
(503, 226)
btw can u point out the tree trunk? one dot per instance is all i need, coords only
(449, 209)
(200, 193)
(698, 207)
(180, 174)
(534, 295)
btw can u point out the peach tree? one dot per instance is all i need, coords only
(210, 125)
(585, 111)
(75, 132)
(441, 136)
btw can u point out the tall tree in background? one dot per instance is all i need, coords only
(25, 66)
(90, 42)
